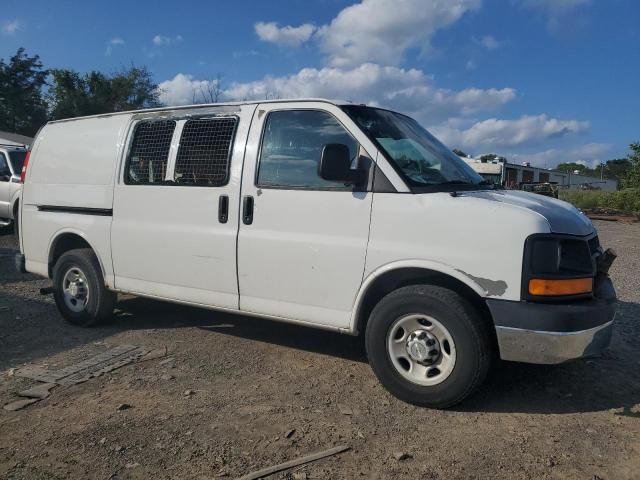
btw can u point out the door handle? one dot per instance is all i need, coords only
(247, 210)
(223, 209)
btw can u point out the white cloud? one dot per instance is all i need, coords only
(555, 7)
(589, 154)
(383, 30)
(10, 27)
(163, 41)
(373, 31)
(184, 90)
(488, 41)
(114, 42)
(287, 36)
(556, 11)
(408, 90)
(499, 134)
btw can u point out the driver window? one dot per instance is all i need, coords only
(292, 144)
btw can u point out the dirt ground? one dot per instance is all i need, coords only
(254, 381)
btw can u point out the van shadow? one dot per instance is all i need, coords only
(134, 312)
(31, 329)
(611, 381)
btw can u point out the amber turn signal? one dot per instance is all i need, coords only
(573, 286)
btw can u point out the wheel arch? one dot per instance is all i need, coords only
(65, 240)
(390, 277)
(15, 205)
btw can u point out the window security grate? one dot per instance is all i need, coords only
(205, 151)
(150, 152)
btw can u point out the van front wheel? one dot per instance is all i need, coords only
(428, 346)
(79, 290)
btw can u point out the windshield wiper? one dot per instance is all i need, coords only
(457, 182)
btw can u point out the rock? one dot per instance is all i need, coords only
(20, 404)
(400, 456)
(361, 435)
(289, 433)
(39, 391)
(102, 440)
(123, 406)
(188, 393)
(118, 448)
(132, 465)
(550, 462)
(168, 361)
(300, 476)
(344, 410)
(153, 354)
(166, 376)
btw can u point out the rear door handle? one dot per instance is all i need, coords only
(247, 210)
(223, 209)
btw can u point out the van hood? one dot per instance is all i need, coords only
(562, 216)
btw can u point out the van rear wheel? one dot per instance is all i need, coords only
(428, 346)
(79, 290)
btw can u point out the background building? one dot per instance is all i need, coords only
(511, 175)
(7, 138)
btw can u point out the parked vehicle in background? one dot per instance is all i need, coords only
(11, 161)
(325, 214)
(548, 189)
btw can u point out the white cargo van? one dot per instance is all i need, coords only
(326, 214)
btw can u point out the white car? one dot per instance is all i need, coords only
(11, 162)
(325, 214)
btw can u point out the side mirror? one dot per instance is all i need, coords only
(335, 165)
(5, 175)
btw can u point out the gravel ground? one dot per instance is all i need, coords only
(263, 393)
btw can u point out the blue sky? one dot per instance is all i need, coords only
(544, 81)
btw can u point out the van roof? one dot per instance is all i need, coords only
(205, 105)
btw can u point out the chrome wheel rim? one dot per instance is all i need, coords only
(75, 290)
(421, 349)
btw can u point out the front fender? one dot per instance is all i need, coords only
(438, 267)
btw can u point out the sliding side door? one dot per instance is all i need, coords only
(175, 218)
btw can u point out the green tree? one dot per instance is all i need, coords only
(633, 177)
(22, 106)
(491, 157)
(573, 166)
(74, 95)
(617, 168)
(459, 152)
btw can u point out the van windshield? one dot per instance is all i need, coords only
(420, 158)
(17, 161)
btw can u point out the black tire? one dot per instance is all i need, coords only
(100, 301)
(470, 335)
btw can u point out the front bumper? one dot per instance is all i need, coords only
(549, 333)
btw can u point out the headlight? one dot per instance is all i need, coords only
(557, 266)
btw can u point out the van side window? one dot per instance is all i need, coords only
(205, 152)
(149, 154)
(292, 144)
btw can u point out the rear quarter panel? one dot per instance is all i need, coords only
(73, 164)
